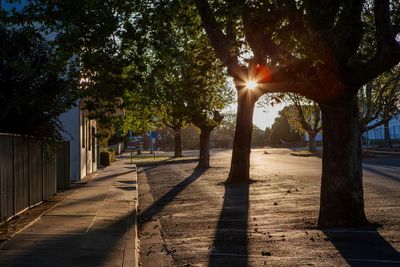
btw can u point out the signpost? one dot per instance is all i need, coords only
(153, 135)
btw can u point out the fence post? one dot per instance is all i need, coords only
(13, 176)
(42, 146)
(29, 174)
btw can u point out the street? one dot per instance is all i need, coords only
(270, 222)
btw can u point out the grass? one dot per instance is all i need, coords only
(157, 160)
(305, 153)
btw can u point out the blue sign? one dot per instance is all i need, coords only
(153, 134)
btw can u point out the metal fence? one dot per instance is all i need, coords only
(376, 136)
(30, 170)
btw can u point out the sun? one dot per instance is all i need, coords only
(251, 84)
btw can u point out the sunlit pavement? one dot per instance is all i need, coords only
(94, 226)
(270, 222)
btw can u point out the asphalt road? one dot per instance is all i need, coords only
(381, 167)
(273, 221)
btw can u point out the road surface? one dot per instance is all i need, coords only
(273, 221)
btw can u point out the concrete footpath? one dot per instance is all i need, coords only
(94, 226)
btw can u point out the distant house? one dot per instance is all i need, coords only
(377, 135)
(81, 132)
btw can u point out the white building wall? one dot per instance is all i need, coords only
(70, 122)
(80, 130)
(88, 146)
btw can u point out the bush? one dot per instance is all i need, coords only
(105, 158)
(112, 153)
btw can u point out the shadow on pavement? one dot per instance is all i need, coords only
(152, 165)
(102, 246)
(363, 247)
(393, 177)
(75, 237)
(230, 246)
(158, 205)
(107, 177)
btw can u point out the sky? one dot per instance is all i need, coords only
(263, 117)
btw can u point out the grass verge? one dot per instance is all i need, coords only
(143, 161)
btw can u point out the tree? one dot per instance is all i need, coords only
(282, 132)
(257, 137)
(379, 102)
(37, 85)
(140, 114)
(224, 133)
(206, 125)
(305, 116)
(186, 82)
(322, 50)
(87, 35)
(268, 132)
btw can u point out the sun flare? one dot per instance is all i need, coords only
(251, 84)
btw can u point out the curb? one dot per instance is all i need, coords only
(131, 238)
(382, 152)
(136, 254)
(153, 247)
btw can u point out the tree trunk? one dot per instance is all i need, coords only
(204, 159)
(312, 147)
(388, 141)
(342, 200)
(178, 142)
(240, 163)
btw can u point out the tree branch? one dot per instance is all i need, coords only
(373, 126)
(348, 31)
(260, 40)
(388, 51)
(218, 39)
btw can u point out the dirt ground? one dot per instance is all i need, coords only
(271, 222)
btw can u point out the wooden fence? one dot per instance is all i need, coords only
(30, 171)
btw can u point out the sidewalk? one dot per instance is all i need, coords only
(95, 226)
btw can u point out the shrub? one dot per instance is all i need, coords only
(105, 158)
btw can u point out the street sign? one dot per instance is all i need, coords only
(153, 134)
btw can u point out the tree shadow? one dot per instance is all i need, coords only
(152, 165)
(111, 176)
(230, 246)
(77, 237)
(393, 177)
(147, 214)
(102, 245)
(363, 246)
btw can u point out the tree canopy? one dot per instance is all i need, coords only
(37, 85)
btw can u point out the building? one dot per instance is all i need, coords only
(81, 132)
(376, 136)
